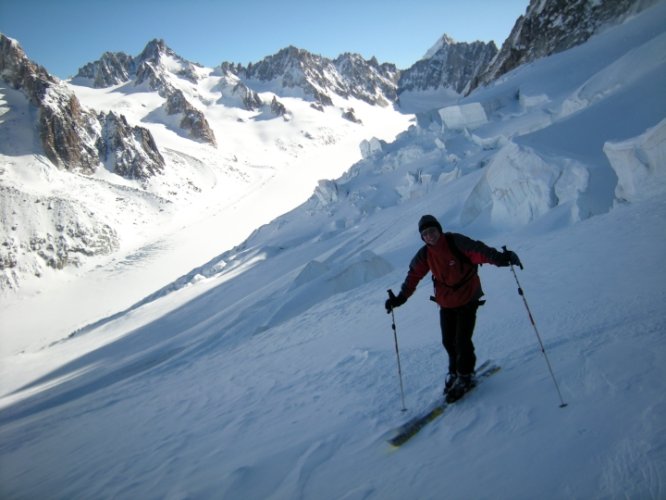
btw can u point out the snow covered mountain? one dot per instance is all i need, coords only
(294, 70)
(203, 133)
(43, 114)
(72, 138)
(151, 68)
(80, 131)
(127, 115)
(269, 371)
(551, 26)
(448, 65)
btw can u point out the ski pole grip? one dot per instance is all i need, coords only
(505, 249)
(391, 294)
(519, 264)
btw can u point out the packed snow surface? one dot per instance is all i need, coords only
(270, 370)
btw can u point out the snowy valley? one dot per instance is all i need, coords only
(241, 349)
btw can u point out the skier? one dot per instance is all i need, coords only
(453, 260)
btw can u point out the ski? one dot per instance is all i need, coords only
(408, 430)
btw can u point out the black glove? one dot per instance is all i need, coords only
(510, 258)
(394, 301)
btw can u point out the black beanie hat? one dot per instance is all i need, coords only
(429, 221)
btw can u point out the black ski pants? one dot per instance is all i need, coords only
(457, 329)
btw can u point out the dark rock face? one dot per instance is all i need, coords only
(117, 149)
(21, 73)
(453, 65)
(112, 69)
(551, 26)
(70, 135)
(67, 133)
(277, 108)
(192, 120)
(368, 80)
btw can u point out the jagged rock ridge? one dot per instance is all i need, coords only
(551, 26)
(73, 138)
(56, 231)
(79, 140)
(453, 65)
(111, 69)
(299, 71)
(149, 68)
(232, 86)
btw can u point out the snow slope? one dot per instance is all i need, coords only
(208, 199)
(270, 371)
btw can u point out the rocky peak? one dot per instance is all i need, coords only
(70, 135)
(155, 60)
(112, 68)
(154, 50)
(153, 68)
(21, 73)
(320, 78)
(367, 79)
(448, 65)
(287, 61)
(296, 68)
(551, 26)
(117, 67)
(443, 41)
(162, 58)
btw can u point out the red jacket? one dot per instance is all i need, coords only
(454, 270)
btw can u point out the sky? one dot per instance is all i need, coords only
(64, 35)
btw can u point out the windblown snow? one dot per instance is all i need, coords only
(269, 370)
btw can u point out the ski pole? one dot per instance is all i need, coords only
(543, 349)
(397, 353)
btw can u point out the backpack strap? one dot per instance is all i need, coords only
(454, 248)
(473, 268)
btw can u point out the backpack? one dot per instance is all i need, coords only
(462, 258)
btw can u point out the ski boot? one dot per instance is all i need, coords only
(462, 384)
(449, 382)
